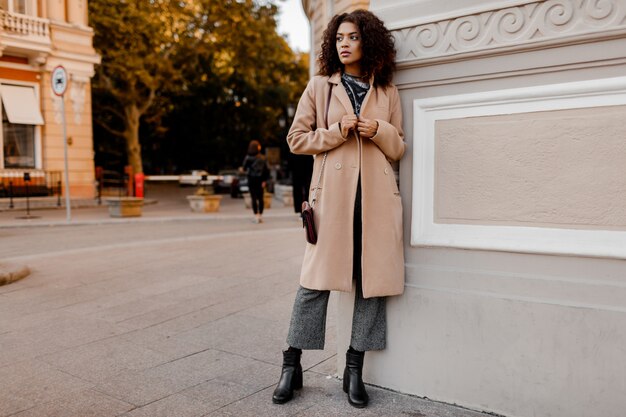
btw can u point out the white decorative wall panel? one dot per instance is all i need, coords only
(424, 230)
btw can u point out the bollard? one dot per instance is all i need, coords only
(139, 184)
(11, 194)
(26, 182)
(59, 193)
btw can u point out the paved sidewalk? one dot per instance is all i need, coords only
(163, 202)
(180, 317)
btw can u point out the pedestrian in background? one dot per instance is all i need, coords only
(350, 117)
(255, 166)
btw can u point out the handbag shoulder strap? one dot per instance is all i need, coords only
(319, 178)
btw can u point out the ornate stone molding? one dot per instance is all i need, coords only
(526, 26)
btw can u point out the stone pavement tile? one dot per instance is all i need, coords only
(88, 403)
(144, 387)
(260, 403)
(215, 305)
(238, 333)
(252, 375)
(28, 383)
(44, 298)
(21, 322)
(175, 405)
(111, 294)
(322, 396)
(101, 360)
(128, 310)
(183, 303)
(76, 331)
(278, 308)
(326, 367)
(241, 382)
(16, 347)
(48, 338)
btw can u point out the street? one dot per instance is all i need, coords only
(184, 317)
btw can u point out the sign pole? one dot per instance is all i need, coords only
(59, 86)
(68, 204)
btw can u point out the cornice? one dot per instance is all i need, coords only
(528, 26)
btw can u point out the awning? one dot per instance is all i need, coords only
(21, 105)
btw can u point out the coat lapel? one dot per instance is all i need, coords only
(340, 92)
(380, 96)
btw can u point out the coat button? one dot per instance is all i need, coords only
(386, 171)
(338, 165)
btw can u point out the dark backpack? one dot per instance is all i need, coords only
(257, 167)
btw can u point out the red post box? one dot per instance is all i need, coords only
(139, 181)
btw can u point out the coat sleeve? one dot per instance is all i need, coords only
(390, 136)
(304, 137)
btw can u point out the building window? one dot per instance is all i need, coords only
(20, 117)
(16, 6)
(19, 144)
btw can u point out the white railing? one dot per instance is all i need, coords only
(24, 25)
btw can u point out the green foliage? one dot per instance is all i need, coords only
(203, 76)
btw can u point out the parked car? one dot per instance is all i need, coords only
(231, 181)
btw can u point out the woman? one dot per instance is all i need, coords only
(255, 166)
(351, 114)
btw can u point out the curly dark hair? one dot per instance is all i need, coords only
(377, 43)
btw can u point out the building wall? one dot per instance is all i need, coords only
(514, 208)
(56, 33)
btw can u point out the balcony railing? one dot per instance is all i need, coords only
(21, 24)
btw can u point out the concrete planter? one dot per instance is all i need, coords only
(204, 203)
(284, 193)
(124, 206)
(267, 200)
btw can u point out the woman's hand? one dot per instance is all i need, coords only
(348, 123)
(367, 128)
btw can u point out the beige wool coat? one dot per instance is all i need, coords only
(328, 264)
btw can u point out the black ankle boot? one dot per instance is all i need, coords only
(291, 377)
(353, 379)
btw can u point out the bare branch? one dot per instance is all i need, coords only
(113, 110)
(109, 129)
(148, 102)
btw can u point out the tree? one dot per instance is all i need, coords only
(240, 82)
(136, 39)
(201, 77)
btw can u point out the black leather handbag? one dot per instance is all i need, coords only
(309, 223)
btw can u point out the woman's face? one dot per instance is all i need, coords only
(349, 47)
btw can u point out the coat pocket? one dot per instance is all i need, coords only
(391, 176)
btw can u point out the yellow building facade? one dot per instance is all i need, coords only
(35, 37)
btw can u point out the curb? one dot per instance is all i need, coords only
(160, 219)
(11, 273)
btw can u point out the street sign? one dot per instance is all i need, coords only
(59, 85)
(59, 80)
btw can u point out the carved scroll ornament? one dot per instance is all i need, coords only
(528, 24)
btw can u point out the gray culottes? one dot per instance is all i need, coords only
(307, 329)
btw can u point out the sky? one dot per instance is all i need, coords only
(293, 22)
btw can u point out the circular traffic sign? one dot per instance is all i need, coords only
(59, 80)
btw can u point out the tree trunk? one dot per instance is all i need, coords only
(131, 135)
